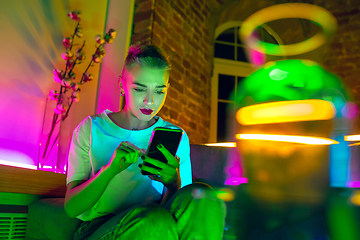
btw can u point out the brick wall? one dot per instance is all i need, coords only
(184, 30)
(181, 29)
(343, 58)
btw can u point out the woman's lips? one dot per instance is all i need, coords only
(146, 111)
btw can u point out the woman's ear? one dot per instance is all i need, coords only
(120, 86)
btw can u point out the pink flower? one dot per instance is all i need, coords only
(97, 58)
(71, 75)
(54, 95)
(108, 38)
(100, 51)
(70, 63)
(80, 54)
(75, 96)
(58, 75)
(79, 32)
(112, 33)
(75, 15)
(67, 55)
(67, 42)
(75, 86)
(87, 77)
(60, 109)
(66, 82)
(99, 40)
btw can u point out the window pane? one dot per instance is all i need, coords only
(227, 36)
(224, 51)
(238, 86)
(225, 125)
(226, 86)
(241, 56)
(238, 36)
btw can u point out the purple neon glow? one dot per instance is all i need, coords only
(258, 58)
(353, 184)
(17, 164)
(350, 110)
(235, 181)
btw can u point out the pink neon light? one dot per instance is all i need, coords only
(17, 164)
(350, 110)
(235, 181)
(258, 58)
(353, 184)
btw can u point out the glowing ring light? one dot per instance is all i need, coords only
(288, 10)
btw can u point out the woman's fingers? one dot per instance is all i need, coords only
(159, 174)
(157, 163)
(172, 161)
(132, 152)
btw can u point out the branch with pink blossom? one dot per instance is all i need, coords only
(68, 79)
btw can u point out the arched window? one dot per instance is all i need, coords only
(230, 67)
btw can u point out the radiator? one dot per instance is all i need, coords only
(12, 225)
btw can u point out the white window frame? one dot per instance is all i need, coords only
(228, 67)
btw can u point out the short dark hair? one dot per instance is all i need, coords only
(147, 56)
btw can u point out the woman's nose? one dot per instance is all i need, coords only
(149, 99)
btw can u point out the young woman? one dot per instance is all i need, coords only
(105, 187)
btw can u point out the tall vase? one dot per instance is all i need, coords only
(49, 140)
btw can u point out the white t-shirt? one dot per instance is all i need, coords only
(93, 143)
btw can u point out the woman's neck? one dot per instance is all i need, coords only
(125, 119)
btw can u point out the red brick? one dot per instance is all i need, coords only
(175, 74)
(158, 19)
(203, 78)
(156, 40)
(142, 26)
(158, 30)
(173, 94)
(139, 16)
(193, 125)
(180, 4)
(173, 45)
(174, 114)
(180, 12)
(177, 67)
(160, 11)
(194, 70)
(347, 13)
(176, 85)
(144, 6)
(186, 64)
(183, 120)
(141, 38)
(197, 4)
(177, 19)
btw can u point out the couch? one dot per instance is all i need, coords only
(209, 165)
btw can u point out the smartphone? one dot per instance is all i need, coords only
(169, 138)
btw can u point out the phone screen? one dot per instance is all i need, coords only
(169, 138)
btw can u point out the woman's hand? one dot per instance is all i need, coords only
(125, 155)
(168, 173)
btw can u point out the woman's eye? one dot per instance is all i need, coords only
(160, 92)
(139, 90)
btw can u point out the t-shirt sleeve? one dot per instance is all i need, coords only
(79, 166)
(183, 153)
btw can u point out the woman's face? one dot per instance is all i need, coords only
(145, 91)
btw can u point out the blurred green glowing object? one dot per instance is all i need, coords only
(310, 12)
(289, 80)
(286, 111)
(222, 144)
(225, 194)
(352, 138)
(287, 138)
